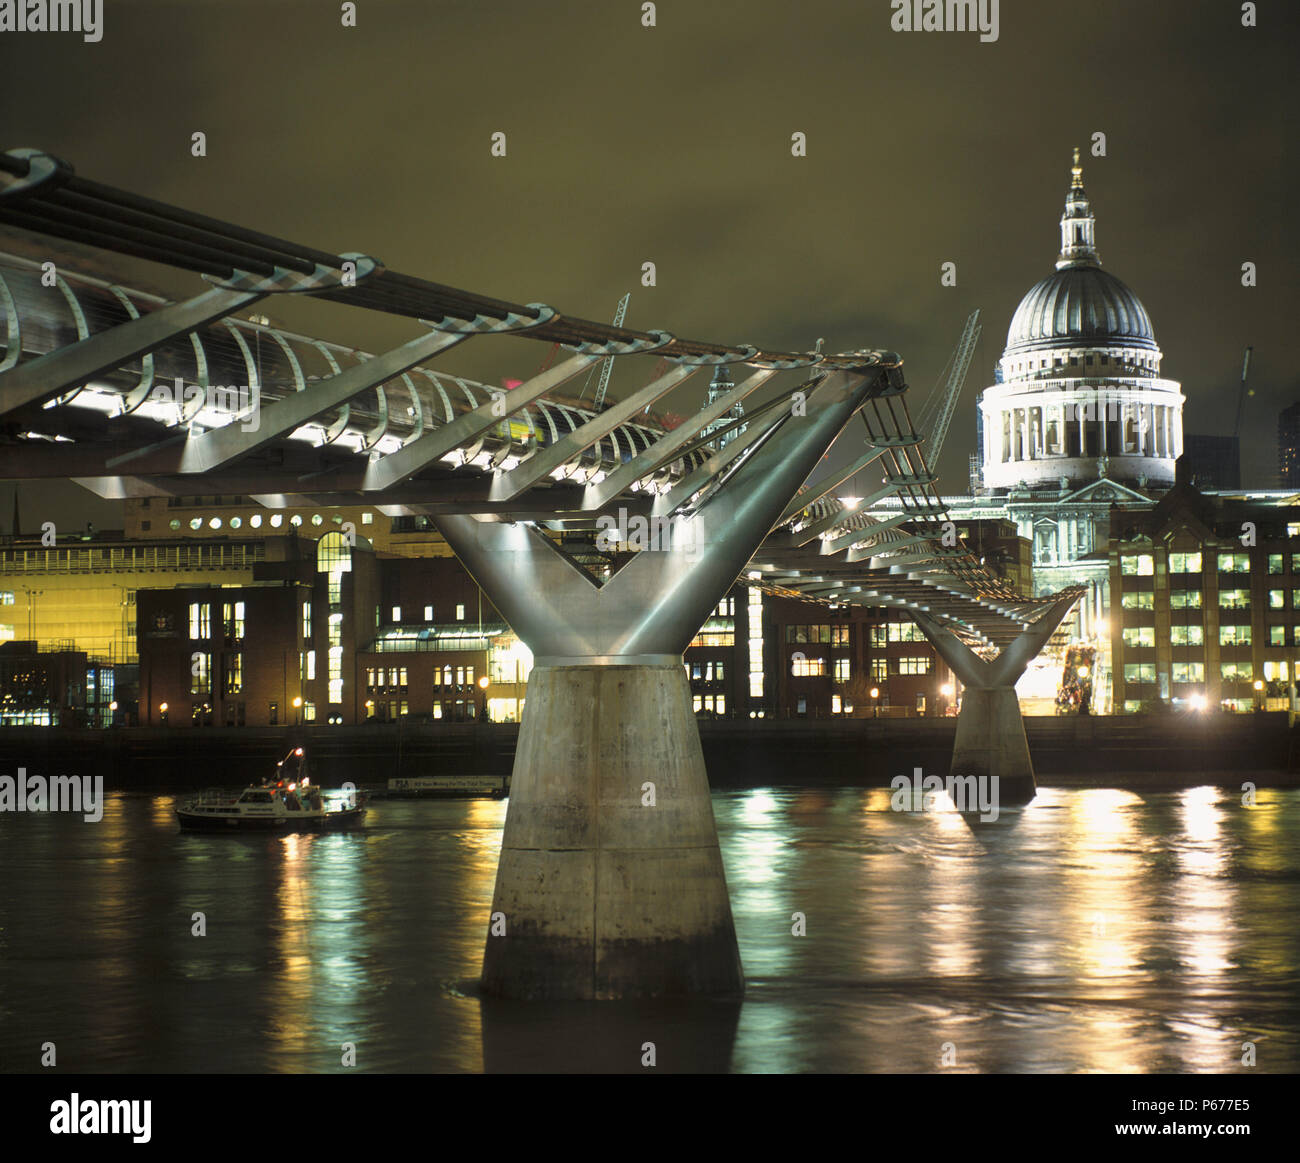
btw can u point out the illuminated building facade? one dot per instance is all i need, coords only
(1208, 603)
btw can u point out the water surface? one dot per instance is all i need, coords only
(1095, 930)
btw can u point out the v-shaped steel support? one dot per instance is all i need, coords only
(657, 602)
(991, 743)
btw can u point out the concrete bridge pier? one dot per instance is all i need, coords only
(991, 743)
(610, 882)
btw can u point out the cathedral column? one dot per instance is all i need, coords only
(1104, 443)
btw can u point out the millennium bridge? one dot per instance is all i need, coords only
(610, 882)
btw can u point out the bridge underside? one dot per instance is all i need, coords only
(611, 883)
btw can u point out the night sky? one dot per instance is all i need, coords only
(672, 144)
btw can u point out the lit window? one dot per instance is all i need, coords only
(428, 613)
(255, 520)
(276, 520)
(367, 518)
(196, 522)
(201, 674)
(215, 523)
(460, 613)
(296, 520)
(236, 522)
(317, 519)
(234, 674)
(1235, 635)
(1137, 564)
(175, 523)
(397, 613)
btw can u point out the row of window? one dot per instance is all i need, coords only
(1143, 564)
(833, 635)
(428, 614)
(1146, 361)
(274, 521)
(232, 620)
(1194, 672)
(1232, 634)
(131, 557)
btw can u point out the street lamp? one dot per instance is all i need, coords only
(297, 706)
(875, 707)
(162, 713)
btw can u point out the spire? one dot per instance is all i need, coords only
(1078, 226)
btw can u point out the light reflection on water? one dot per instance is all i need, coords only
(1095, 930)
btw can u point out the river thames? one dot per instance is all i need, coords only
(1096, 930)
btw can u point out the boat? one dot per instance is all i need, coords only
(288, 803)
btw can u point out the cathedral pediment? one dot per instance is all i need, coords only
(1104, 491)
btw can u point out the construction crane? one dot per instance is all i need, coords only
(937, 412)
(1242, 393)
(606, 364)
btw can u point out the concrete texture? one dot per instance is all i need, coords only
(604, 896)
(991, 742)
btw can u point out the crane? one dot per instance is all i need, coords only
(607, 364)
(1241, 392)
(937, 412)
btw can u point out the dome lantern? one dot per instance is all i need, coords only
(1078, 225)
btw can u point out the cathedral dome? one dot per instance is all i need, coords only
(1081, 305)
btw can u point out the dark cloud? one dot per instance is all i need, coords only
(672, 144)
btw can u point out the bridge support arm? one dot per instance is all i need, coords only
(991, 743)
